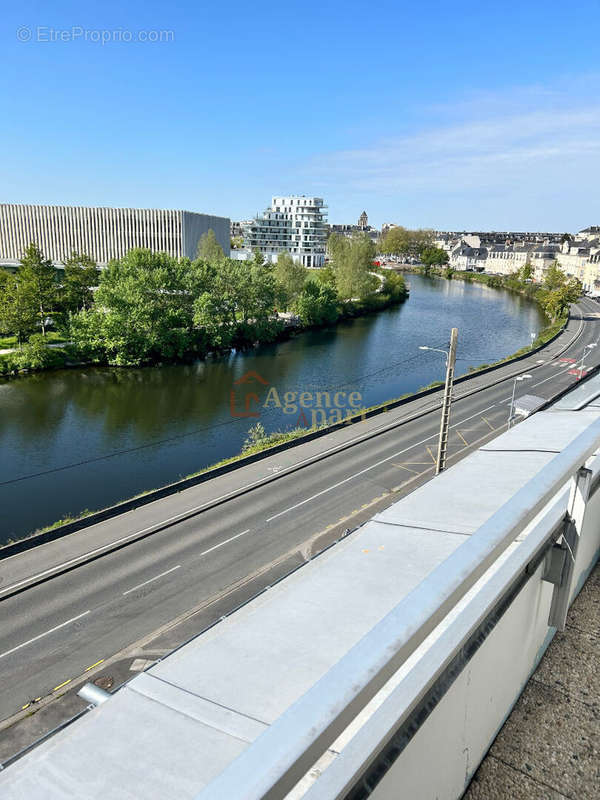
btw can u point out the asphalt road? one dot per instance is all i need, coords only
(63, 626)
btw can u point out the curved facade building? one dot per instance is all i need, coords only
(294, 224)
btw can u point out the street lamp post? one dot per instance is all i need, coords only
(512, 401)
(586, 350)
(447, 402)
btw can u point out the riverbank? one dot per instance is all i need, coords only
(509, 283)
(37, 355)
(88, 438)
(262, 446)
(528, 290)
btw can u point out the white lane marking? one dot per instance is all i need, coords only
(155, 578)
(294, 467)
(551, 377)
(209, 503)
(377, 464)
(231, 538)
(35, 638)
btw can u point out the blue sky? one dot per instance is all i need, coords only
(447, 115)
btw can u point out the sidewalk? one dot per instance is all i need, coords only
(76, 547)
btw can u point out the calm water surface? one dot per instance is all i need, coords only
(62, 434)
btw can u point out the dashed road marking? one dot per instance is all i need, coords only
(489, 423)
(155, 578)
(231, 538)
(369, 468)
(35, 638)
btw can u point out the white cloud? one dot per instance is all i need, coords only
(534, 136)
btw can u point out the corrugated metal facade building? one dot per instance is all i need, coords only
(103, 233)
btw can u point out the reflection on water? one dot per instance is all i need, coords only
(76, 416)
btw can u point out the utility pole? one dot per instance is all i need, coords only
(445, 423)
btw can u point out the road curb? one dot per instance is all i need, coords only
(36, 539)
(31, 542)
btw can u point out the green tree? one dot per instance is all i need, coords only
(394, 286)
(258, 259)
(143, 311)
(325, 276)
(554, 278)
(396, 242)
(434, 257)
(317, 305)
(197, 277)
(336, 245)
(420, 240)
(237, 293)
(256, 291)
(400, 241)
(81, 273)
(18, 314)
(237, 242)
(290, 277)
(558, 291)
(209, 249)
(37, 283)
(352, 260)
(526, 273)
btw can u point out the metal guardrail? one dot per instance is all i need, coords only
(270, 767)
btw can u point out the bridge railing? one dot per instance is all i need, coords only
(272, 765)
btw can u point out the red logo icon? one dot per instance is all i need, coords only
(249, 379)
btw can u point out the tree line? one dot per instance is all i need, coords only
(148, 307)
(416, 245)
(34, 293)
(554, 293)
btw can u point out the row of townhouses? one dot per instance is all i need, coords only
(503, 254)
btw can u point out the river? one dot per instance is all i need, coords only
(80, 439)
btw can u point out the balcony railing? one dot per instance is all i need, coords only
(270, 767)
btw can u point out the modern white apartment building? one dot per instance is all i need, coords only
(103, 233)
(295, 224)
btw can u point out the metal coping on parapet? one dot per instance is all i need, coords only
(277, 759)
(222, 618)
(408, 729)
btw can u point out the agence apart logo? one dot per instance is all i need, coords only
(313, 408)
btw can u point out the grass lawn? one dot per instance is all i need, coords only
(52, 337)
